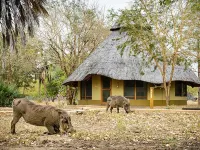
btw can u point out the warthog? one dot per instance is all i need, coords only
(39, 115)
(118, 101)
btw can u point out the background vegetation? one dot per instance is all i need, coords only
(66, 36)
(7, 94)
(70, 30)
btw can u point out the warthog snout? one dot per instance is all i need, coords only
(127, 108)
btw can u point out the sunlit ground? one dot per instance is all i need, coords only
(96, 129)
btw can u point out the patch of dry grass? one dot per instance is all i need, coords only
(139, 125)
(169, 129)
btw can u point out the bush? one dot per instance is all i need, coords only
(7, 94)
(54, 84)
(52, 89)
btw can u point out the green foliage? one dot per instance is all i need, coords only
(195, 5)
(7, 94)
(18, 17)
(193, 91)
(159, 35)
(166, 2)
(54, 86)
(21, 68)
(32, 91)
(84, 29)
(153, 29)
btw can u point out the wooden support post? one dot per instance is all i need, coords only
(151, 97)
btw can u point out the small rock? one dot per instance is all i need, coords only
(79, 112)
(167, 145)
(87, 138)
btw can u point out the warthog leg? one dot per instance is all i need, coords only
(111, 108)
(117, 109)
(16, 118)
(50, 129)
(107, 107)
(56, 129)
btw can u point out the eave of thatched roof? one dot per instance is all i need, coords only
(107, 61)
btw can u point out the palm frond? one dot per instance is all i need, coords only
(16, 16)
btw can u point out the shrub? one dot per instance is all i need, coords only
(7, 94)
(52, 89)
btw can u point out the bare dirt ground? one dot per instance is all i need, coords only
(144, 128)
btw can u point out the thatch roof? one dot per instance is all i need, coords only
(107, 61)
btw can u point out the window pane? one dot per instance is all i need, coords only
(141, 90)
(140, 83)
(129, 87)
(106, 94)
(86, 89)
(89, 88)
(82, 90)
(184, 92)
(178, 88)
(106, 82)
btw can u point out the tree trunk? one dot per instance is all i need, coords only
(3, 62)
(167, 95)
(9, 74)
(39, 87)
(198, 95)
(71, 95)
(167, 100)
(199, 78)
(198, 71)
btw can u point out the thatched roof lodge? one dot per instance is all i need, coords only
(106, 72)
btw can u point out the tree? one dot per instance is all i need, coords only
(22, 67)
(196, 11)
(162, 35)
(54, 84)
(16, 16)
(71, 32)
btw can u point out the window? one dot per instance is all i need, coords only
(141, 90)
(180, 88)
(86, 89)
(129, 89)
(105, 82)
(135, 88)
(106, 87)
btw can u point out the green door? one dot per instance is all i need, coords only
(106, 88)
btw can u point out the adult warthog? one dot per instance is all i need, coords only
(50, 117)
(118, 101)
